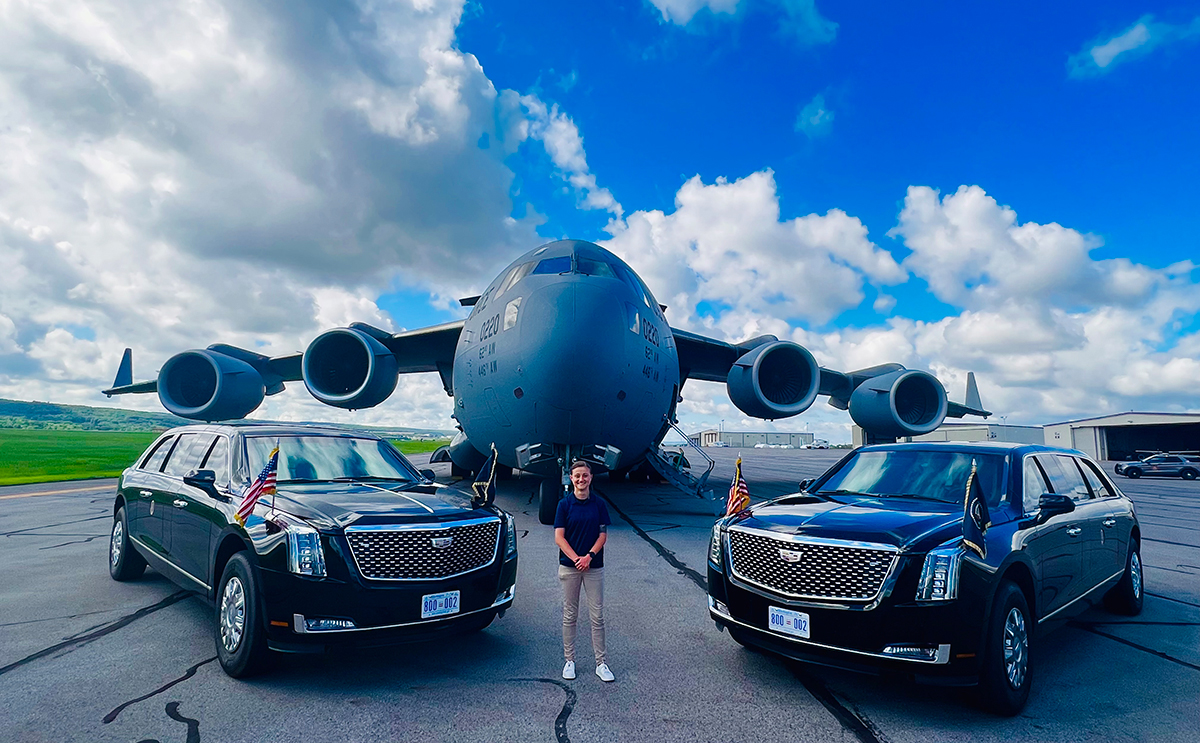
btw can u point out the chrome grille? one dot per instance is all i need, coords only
(825, 571)
(408, 552)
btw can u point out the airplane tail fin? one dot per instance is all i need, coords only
(972, 398)
(125, 370)
(971, 406)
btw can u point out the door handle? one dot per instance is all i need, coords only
(179, 503)
(146, 493)
(1074, 531)
(1110, 523)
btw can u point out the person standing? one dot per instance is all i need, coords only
(580, 531)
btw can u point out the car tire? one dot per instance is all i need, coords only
(1127, 596)
(1188, 474)
(549, 493)
(1133, 473)
(1007, 676)
(124, 561)
(239, 628)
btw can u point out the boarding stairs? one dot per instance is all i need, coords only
(673, 467)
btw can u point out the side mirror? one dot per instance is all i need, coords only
(1050, 505)
(429, 475)
(806, 482)
(205, 479)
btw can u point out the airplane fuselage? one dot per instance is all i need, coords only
(566, 347)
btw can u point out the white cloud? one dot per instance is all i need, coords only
(1143, 37)
(815, 120)
(682, 11)
(560, 136)
(799, 19)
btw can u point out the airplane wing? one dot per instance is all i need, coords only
(709, 359)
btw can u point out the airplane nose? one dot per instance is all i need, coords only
(572, 336)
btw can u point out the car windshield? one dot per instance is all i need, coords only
(935, 475)
(324, 458)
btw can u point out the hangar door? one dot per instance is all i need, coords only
(1134, 442)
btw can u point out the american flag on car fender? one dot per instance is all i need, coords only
(739, 494)
(264, 485)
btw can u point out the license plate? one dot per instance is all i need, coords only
(787, 621)
(439, 604)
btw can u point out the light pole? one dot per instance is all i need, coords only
(1003, 434)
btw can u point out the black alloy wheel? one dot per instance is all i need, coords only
(1126, 597)
(124, 562)
(549, 493)
(1188, 474)
(240, 634)
(1007, 676)
(1133, 473)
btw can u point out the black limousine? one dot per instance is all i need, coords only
(866, 569)
(355, 546)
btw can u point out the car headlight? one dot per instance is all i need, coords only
(939, 575)
(305, 554)
(510, 542)
(714, 546)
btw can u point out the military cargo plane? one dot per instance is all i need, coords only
(566, 354)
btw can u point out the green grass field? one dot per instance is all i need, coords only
(46, 456)
(28, 456)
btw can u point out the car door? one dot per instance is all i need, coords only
(1056, 555)
(1087, 519)
(201, 516)
(1117, 524)
(137, 483)
(184, 459)
(154, 524)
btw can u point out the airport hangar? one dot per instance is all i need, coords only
(747, 439)
(1128, 436)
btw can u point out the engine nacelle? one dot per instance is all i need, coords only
(347, 368)
(464, 454)
(776, 380)
(209, 386)
(903, 403)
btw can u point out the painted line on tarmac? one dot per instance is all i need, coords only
(102, 630)
(92, 489)
(851, 720)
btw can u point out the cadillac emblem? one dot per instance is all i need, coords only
(792, 556)
(442, 543)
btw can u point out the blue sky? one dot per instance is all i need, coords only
(1008, 189)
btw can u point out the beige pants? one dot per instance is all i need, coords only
(592, 582)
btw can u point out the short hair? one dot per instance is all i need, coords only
(580, 463)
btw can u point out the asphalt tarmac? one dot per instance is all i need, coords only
(83, 658)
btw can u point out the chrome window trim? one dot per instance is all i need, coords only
(943, 651)
(426, 527)
(824, 602)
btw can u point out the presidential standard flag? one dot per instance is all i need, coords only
(976, 519)
(264, 485)
(739, 494)
(485, 484)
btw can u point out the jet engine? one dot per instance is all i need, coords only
(902, 403)
(776, 380)
(209, 386)
(347, 368)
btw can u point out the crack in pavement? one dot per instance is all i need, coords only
(1086, 627)
(68, 616)
(560, 722)
(77, 541)
(1167, 541)
(191, 671)
(1168, 598)
(101, 630)
(850, 718)
(49, 526)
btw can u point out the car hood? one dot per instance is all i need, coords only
(333, 505)
(907, 523)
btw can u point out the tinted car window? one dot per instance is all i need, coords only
(329, 458)
(1098, 483)
(154, 462)
(937, 475)
(1035, 485)
(187, 454)
(1064, 475)
(217, 460)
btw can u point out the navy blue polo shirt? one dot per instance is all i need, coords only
(580, 521)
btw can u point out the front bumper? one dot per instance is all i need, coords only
(854, 639)
(381, 612)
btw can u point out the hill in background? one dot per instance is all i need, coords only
(52, 416)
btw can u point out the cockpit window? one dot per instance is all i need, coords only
(561, 264)
(593, 267)
(515, 275)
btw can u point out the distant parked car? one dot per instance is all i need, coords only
(1186, 466)
(866, 568)
(719, 444)
(355, 546)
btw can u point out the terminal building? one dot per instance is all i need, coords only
(747, 439)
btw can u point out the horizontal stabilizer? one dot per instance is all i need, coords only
(973, 406)
(133, 389)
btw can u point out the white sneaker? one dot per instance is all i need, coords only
(569, 670)
(605, 674)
